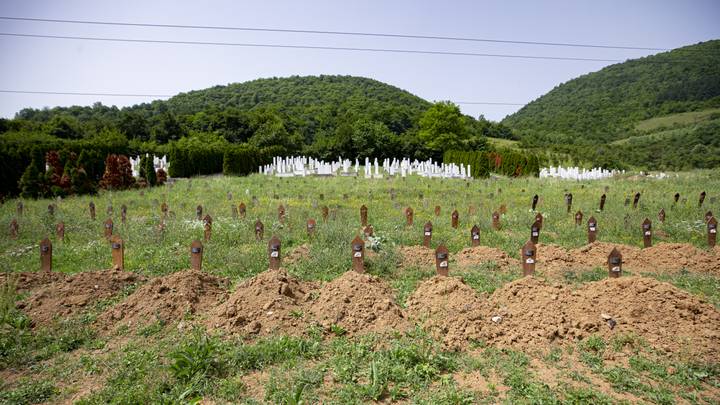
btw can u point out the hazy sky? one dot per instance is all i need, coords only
(84, 66)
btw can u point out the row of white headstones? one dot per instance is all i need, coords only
(158, 162)
(308, 166)
(576, 173)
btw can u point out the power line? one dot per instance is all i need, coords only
(326, 48)
(322, 32)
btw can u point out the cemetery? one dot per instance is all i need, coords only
(601, 272)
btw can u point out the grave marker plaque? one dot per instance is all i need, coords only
(708, 215)
(118, 252)
(475, 236)
(198, 212)
(702, 199)
(661, 215)
(363, 215)
(14, 227)
(534, 202)
(208, 231)
(259, 230)
(437, 210)
(602, 202)
(636, 200)
(45, 255)
(281, 214)
(496, 220)
(535, 232)
(712, 231)
(568, 201)
(196, 255)
(274, 252)
(408, 216)
(60, 230)
(108, 228)
(19, 208)
(676, 198)
(242, 210)
(578, 218)
(358, 254)
(647, 232)
(592, 230)
(325, 212)
(311, 227)
(527, 253)
(427, 234)
(614, 264)
(454, 219)
(442, 258)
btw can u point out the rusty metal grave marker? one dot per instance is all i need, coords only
(454, 219)
(702, 199)
(363, 215)
(535, 201)
(325, 212)
(539, 219)
(117, 247)
(242, 209)
(647, 232)
(311, 227)
(568, 201)
(60, 230)
(602, 202)
(358, 254)
(614, 263)
(19, 208)
(208, 231)
(259, 230)
(475, 236)
(712, 231)
(535, 232)
(708, 215)
(198, 212)
(592, 230)
(442, 257)
(578, 218)
(14, 228)
(108, 228)
(45, 255)
(636, 199)
(496, 220)
(408, 216)
(427, 234)
(274, 252)
(661, 215)
(527, 253)
(281, 214)
(196, 255)
(437, 210)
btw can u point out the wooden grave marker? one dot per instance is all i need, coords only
(592, 230)
(325, 212)
(60, 230)
(602, 202)
(108, 228)
(207, 219)
(539, 219)
(636, 199)
(242, 210)
(259, 230)
(45, 255)
(14, 228)
(496, 220)
(358, 254)
(274, 252)
(661, 215)
(408, 216)
(311, 224)
(534, 202)
(117, 247)
(196, 255)
(442, 258)
(568, 201)
(454, 219)
(281, 214)
(647, 232)
(475, 236)
(198, 212)
(578, 218)
(535, 232)
(702, 199)
(207, 234)
(427, 234)
(615, 263)
(437, 210)
(528, 253)
(712, 231)
(363, 215)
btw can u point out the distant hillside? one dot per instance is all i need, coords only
(605, 105)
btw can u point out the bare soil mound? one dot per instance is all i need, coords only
(298, 254)
(676, 256)
(271, 301)
(72, 294)
(483, 254)
(358, 303)
(449, 309)
(167, 299)
(416, 256)
(596, 254)
(30, 280)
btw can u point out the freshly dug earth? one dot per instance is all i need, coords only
(417, 256)
(270, 302)
(167, 299)
(359, 303)
(72, 294)
(482, 254)
(30, 280)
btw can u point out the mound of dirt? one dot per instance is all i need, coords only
(271, 301)
(449, 309)
(298, 254)
(416, 256)
(596, 254)
(676, 256)
(359, 303)
(481, 254)
(30, 280)
(72, 294)
(167, 299)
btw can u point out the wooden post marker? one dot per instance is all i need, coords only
(45, 255)
(496, 221)
(535, 201)
(712, 231)
(118, 252)
(242, 210)
(274, 252)
(578, 218)
(535, 232)
(358, 254)
(568, 201)
(702, 199)
(363, 215)
(527, 253)
(208, 232)
(636, 200)
(602, 202)
(259, 230)
(475, 236)
(14, 227)
(198, 212)
(196, 255)
(661, 215)
(311, 227)
(108, 228)
(427, 234)
(123, 213)
(614, 264)
(454, 219)
(408, 216)
(325, 212)
(647, 232)
(437, 210)
(60, 230)
(676, 198)
(442, 257)
(592, 230)
(281, 214)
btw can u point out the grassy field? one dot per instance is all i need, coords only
(70, 360)
(677, 120)
(503, 143)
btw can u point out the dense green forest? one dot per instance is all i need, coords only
(581, 117)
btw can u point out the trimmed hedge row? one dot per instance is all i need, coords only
(503, 161)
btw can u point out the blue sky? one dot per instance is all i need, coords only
(80, 66)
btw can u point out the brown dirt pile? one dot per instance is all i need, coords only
(449, 309)
(30, 280)
(271, 301)
(167, 299)
(359, 303)
(417, 256)
(676, 256)
(482, 254)
(72, 294)
(298, 254)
